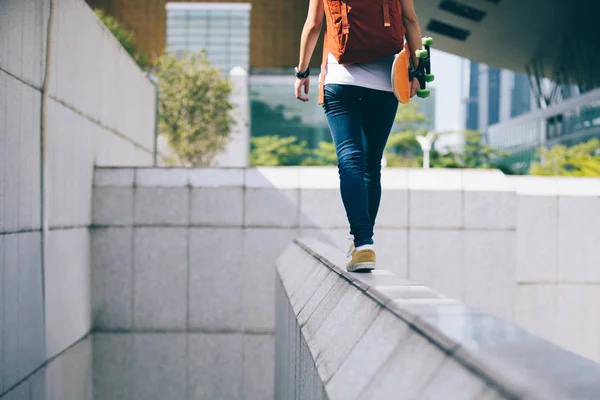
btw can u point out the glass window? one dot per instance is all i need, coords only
(224, 33)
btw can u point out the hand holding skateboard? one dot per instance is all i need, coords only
(403, 72)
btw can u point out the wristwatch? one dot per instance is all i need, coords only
(302, 75)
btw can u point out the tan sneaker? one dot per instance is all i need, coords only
(361, 261)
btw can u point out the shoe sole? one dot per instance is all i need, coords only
(361, 267)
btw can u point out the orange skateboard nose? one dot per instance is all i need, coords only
(400, 82)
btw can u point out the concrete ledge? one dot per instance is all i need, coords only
(372, 336)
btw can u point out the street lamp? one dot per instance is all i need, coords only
(426, 143)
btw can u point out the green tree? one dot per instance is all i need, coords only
(324, 155)
(125, 37)
(195, 114)
(476, 154)
(277, 151)
(579, 160)
(403, 149)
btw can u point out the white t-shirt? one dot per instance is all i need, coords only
(374, 75)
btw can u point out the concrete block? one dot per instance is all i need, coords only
(536, 310)
(31, 348)
(391, 246)
(161, 206)
(339, 238)
(12, 34)
(319, 178)
(318, 296)
(69, 166)
(2, 298)
(298, 298)
(577, 328)
(261, 249)
(158, 177)
(322, 208)
(216, 366)
(10, 311)
(490, 272)
(113, 366)
(112, 278)
(160, 278)
(315, 321)
(367, 357)
(114, 177)
(70, 375)
(537, 239)
(435, 199)
(271, 207)
(436, 259)
(453, 378)
(111, 149)
(534, 185)
(578, 238)
(160, 366)
(37, 384)
(113, 206)
(293, 265)
(217, 206)
(273, 177)
(3, 145)
(11, 139)
(67, 274)
(404, 375)
(143, 157)
(580, 187)
(394, 179)
(216, 279)
(490, 210)
(21, 392)
(216, 177)
(29, 173)
(349, 331)
(436, 209)
(393, 209)
(259, 367)
(435, 179)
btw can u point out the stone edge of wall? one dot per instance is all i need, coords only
(506, 360)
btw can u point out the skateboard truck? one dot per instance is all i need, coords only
(403, 72)
(423, 71)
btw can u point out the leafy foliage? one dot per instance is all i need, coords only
(274, 150)
(195, 114)
(579, 160)
(125, 37)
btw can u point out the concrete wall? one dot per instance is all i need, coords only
(174, 264)
(97, 108)
(348, 336)
(524, 249)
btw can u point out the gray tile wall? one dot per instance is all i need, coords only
(85, 123)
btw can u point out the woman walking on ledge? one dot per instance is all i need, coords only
(361, 41)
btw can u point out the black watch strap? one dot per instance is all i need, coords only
(302, 75)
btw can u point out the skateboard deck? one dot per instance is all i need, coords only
(403, 72)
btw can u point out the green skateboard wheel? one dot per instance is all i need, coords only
(423, 93)
(421, 53)
(429, 77)
(427, 41)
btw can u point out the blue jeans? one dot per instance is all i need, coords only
(360, 121)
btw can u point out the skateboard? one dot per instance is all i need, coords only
(403, 72)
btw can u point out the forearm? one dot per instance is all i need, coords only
(308, 42)
(413, 37)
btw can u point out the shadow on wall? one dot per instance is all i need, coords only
(184, 260)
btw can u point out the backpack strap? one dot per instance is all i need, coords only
(345, 23)
(386, 13)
